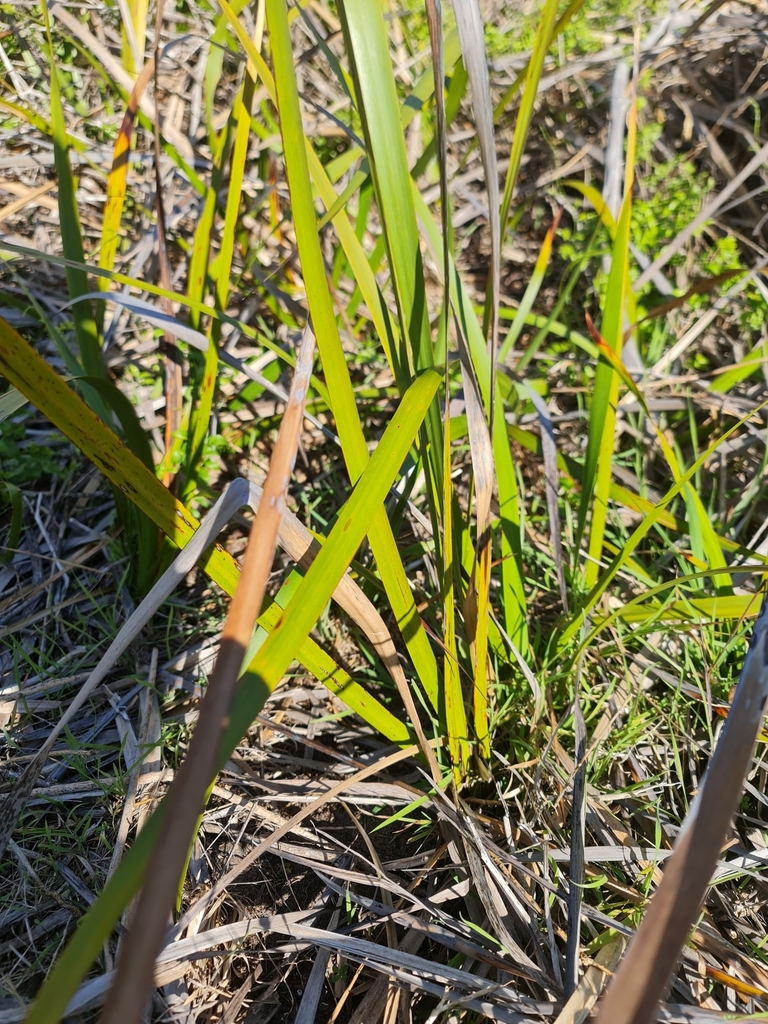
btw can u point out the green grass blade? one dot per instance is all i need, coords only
(704, 540)
(313, 267)
(513, 592)
(198, 264)
(221, 42)
(10, 402)
(562, 22)
(733, 375)
(457, 89)
(532, 289)
(341, 396)
(205, 370)
(425, 86)
(543, 41)
(200, 411)
(602, 413)
(379, 109)
(355, 254)
(455, 713)
(710, 610)
(71, 233)
(453, 696)
(134, 33)
(593, 196)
